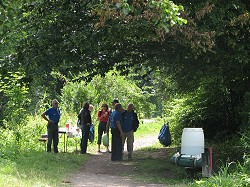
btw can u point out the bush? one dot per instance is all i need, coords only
(181, 113)
(231, 175)
(28, 133)
(104, 89)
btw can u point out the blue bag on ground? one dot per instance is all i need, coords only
(164, 135)
(91, 133)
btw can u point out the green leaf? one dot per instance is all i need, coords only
(118, 5)
(125, 11)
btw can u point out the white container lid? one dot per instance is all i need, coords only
(193, 129)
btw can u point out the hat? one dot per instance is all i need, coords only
(115, 101)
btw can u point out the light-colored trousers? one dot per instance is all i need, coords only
(129, 136)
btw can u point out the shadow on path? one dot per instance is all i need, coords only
(100, 171)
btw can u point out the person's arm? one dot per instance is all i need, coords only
(136, 119)
(44, 117)
(118, 124)
(108, 125)
(102, 114)
(135, 122)
(99, 117)
(88, 117)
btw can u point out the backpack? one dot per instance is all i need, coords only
(164, 135)
(91, 133)
(135, 122)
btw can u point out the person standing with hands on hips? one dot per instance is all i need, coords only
(52, 126)
(102, 116)
(117, 133)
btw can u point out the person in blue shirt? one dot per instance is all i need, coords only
(117, 133)
(129, 117)
(52, 115)
(114, 102)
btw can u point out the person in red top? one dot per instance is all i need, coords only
(103, 117)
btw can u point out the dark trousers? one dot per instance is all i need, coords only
(52, 136)
(85, 137)
(101, 130)
(116, 145)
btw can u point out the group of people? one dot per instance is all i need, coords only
(122, 122)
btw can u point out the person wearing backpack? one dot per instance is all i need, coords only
(130, 123)
(85, 123)
(103, 117)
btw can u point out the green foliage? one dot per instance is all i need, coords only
(36, 169)
(163, 13)
(169, 13)
(14, 109)
(185, 111)
(199, 71)
(245, 140)
(104, 89)
(9, 27)
(149, 127)
(238, 176)
(15, 92)
(22, 137)
(8, 145)
(207, 89)
(37, 31)
(246, 112)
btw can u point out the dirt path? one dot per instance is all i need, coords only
(100, 171)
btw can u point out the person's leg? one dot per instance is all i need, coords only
(113, 146)
(116, 153)
(130, 144)
(107, 149)
(119, 148)
(85, 137)
(55, 140)
(99, 136)
(123, 141)
(49, 140)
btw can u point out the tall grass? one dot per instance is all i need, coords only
(230, 175)
(25, 163)
(29, 165)
(233, 173)
(149, 127)
(39, 169)
(153, 166)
